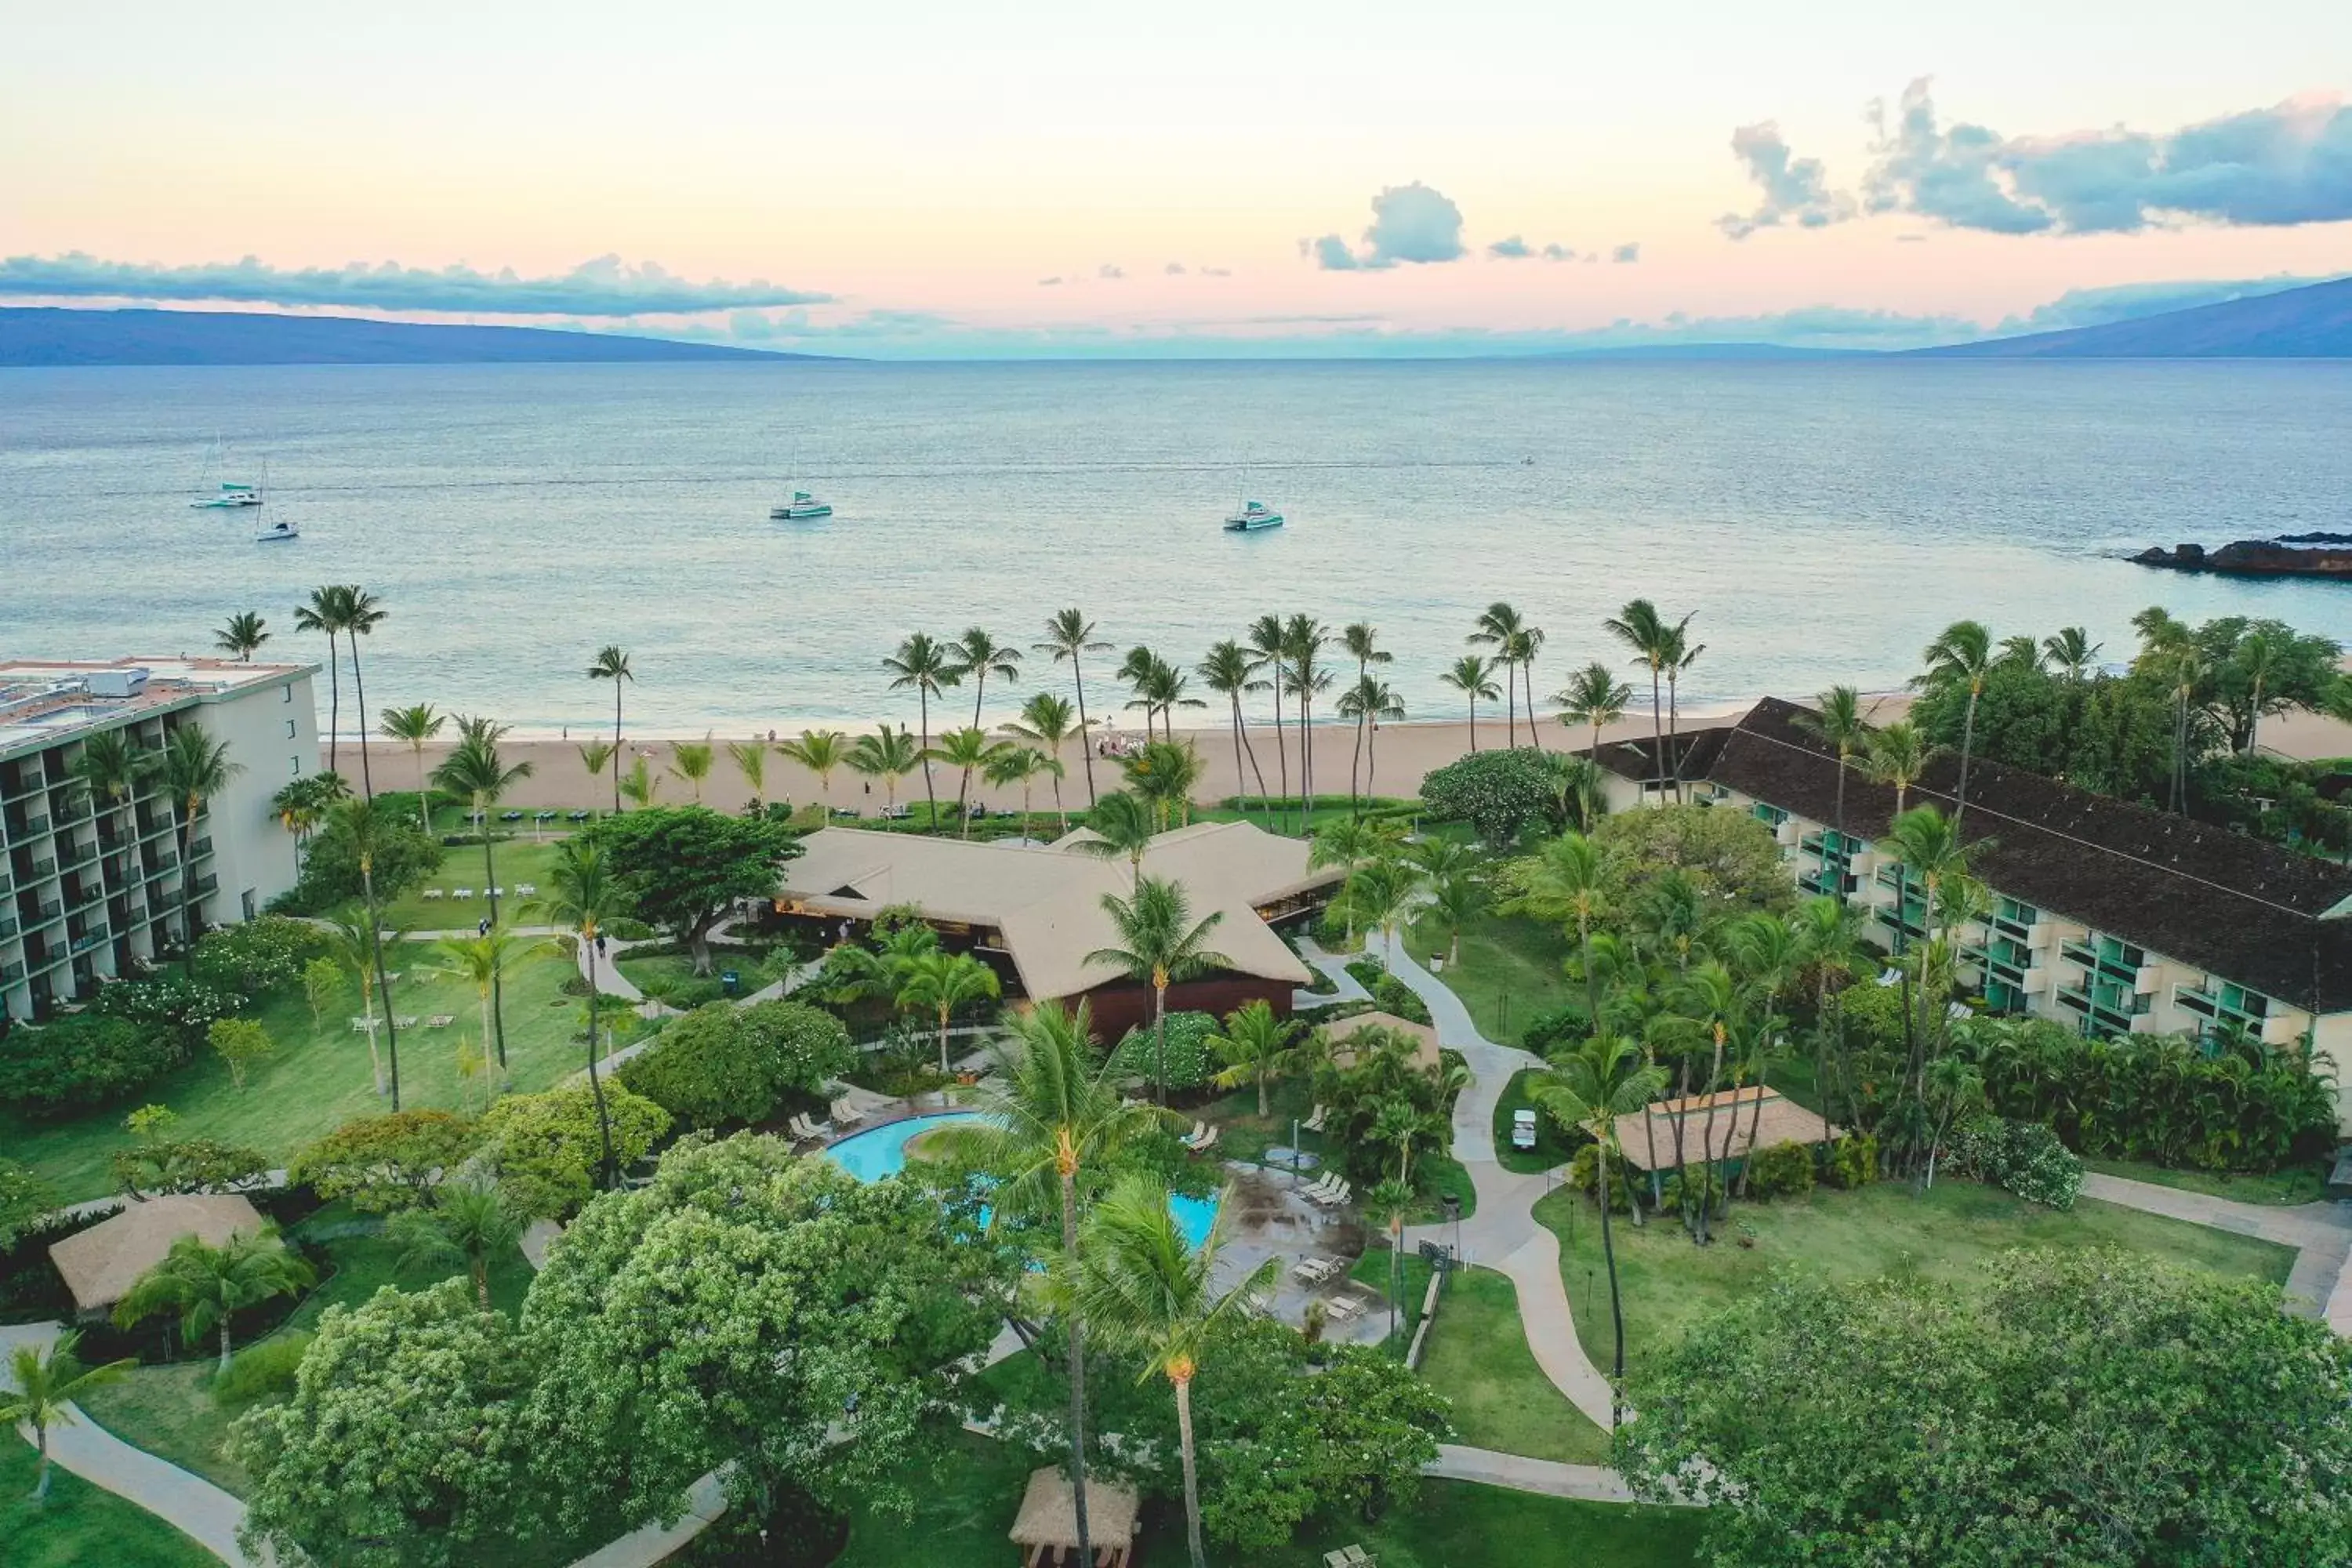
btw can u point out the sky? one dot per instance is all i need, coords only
(935, 179)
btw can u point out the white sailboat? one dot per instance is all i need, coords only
(802, 505)
(226, 495)
(275, 532)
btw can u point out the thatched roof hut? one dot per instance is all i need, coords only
(100, 1264)
(1737, 1112)
(1342, 1030)
(1047, 1530)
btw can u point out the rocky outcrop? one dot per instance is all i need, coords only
(2254, 558)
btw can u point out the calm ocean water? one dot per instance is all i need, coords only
(1823, 520)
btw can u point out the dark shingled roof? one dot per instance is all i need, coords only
(2236, 907)
(1693, 750)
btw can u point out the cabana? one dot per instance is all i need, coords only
(100, 1264)
(1777, 1120)
(1047, 1528)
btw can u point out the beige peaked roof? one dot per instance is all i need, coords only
(1780, 1121)
(1049, 1515)
(103, 1263)
(1046, 901)
(1425, 1037)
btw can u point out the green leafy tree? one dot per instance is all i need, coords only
(469, 1222)
(46, 1386)
(1728, 856)
(24, 1198)
(2070, 650)
(612, 663)
(1501, 794)
(1022, 765)
(941, 982)
(1165, 773)
(205, 1286)
(640, 786)
(161, 1165)
(1161, 943)
(683, 867)
(722, 1064)
(385, 1162)
(239, 1043)
(323, 980)
(548, 1148)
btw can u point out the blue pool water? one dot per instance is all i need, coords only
(872, 1155)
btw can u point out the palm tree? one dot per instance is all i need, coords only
(483, 961)
(2018, 651)
(1525, 645)
(965, 750)
(944, 982)
(1231, 671)
(1591, 1086)
(751, 760)
(2259, 657)
(583, 896)
(1473, 675)
(1348, 845)
(1380, 892)
(1120, 824)
(412, 727)
(242, 635)
(367, 828)
(207, 1285)
(2187, 667)
(928, 667)
(469, 1222)
(690, 760)
(1046, 719)
(1257, 1047)
(474, 770)
(612, 664)
(46, 1387)
(1136, 669)
(351, 943)
(888, 754)
(1161, 942)
(1640, 628)
(1146, 1289)
(1897, 756)
(594, 756)
(1049, 1113)
(111, 765)
(1566, 884)
(1266, 642)
(1770, 950)
(1389, 1201)
(1304, 638)
(2072, 650)
(1498, 628)
(978, 656)
(1962, 652)
(328, 611)
(1069, 635)
(1360, 641)
(193, 768)
(1369, 703)
(1009, 765)
(1164, 774)
(1456, 900)
(823, 750)
(640, 786)
(1593, 697)
(363, 614)
(1837, 718)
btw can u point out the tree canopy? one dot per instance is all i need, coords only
(721, 1063)
(682, 867)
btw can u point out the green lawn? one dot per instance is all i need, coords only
(963, 1512)
(1373, 1270)
(81, 1526)
(2295, 1184)
(1949, 1233)
(517, 861)
(319, 1077)
(1552, 1147)
(1510, 970)
(1244, 1135)
(1478, 1356)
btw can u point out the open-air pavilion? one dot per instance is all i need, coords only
(1047, 1530)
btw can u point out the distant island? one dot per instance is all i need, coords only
(2289, 555)
(43, 336)
(2310, 323)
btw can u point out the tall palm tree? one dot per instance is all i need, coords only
(612, 664)
(966, 750)
(888, 754)
(1962, 652)
(2187, 670)
(1456, 898)
(412, 727)
(690, 760)
(367, 828)
(207, 1285)
(1230, 671)
(111, 765)
(1167, 687)
(1348, 845)
(1681, 654)
(1257, 1047)
(1371, 703)
(1136, 670)
(1160, 941)
(751, 760)
(2260, 657)
(328, 611)
(1525, 645)
(1069, 635)
(944, 982)
(1897, 756)
(1008, 765)
(928, 667)
(1120, 824)
(1498, 628)
(1380, 892)
(352, 944)
(1640, 628)
(1049, 1113)
(1473, 675)
(45, 1388)
(1595, 698)
(978, 654)
(1145, 1288)
(364, 613)
(1770, 949)
(469, 1221)
(2018, 651)
(1303, 638)
(1165, 774)
(1361, 639)
(193, 768)
(474, 770)
(585, 897)
(1266, 642)
(823, 750)
(2072, 650)
(1047, 719)
(483, 962)
(1837, 718)
(1566, 884)
(1593, 1086)
(242, 635)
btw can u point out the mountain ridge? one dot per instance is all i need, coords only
(46, 336)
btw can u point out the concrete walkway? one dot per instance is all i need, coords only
(1333, 967)
(2320, 1284)
(1588, 1483)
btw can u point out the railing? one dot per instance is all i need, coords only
(42, 870)
(8, 928)
(93, 939)
(11, 972)
(202, 847)
(72, 856)
(207, 886)
(28, 826)
(47, 911)
(157, 864)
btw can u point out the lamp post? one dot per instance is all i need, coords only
(1453, 1206)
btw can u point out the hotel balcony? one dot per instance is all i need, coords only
(202, 847)
(88, 940)
(10, 972)
(45, 911)
(8, 927)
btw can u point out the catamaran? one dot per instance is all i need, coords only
(802, 505)
(1254, 515)
(227, 495)
(275, 532)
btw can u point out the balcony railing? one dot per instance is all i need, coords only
(8, 928)
(207, 886)
(11, 972)
(202, 847)
(28, 826)
(45, 911)
(88, 940)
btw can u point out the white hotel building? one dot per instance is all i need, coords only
(89, 887)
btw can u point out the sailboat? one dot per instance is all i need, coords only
(1254, 516)
(802, 505)
(276, 530)
(228, 494)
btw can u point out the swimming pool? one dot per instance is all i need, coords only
(882, 1151)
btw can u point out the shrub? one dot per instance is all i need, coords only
(1781, 1170)
(1851, 1161)
(173, 1002)
(721, 1063)
(548, 1146)
(186, 1165)
(81, 1063)
(1559, 1026)
(386, 1162)
(1500, 793)
(2021, 1157)
(1584, 1175)
(1189, 1060)
(1703, 1179)
(259, 955)
(1395, 996)
(262, 1370)
(24, 1199)
(405, 854)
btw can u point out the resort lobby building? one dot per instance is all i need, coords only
(90, 886)
(1038, 908)
(2105, 915)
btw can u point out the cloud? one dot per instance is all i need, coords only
(1410, 224)
(1053, 282)
(1628, 252)
(1516, 249)
(1559, 253)
(1796, 190)
(1174, 269)
(2287, 164)
(1216, 272)
(606, 286)
(1111, 270)
(2129, 301)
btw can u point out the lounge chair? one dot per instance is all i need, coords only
(1192, 1139)
(805, 1128)
(1314, 1124)
(1322, 1183)
(432, 893)
(845, 1114)
(461, 892)
(1333, 1196)
(575, 816)
(526, 889)
(511, 816)
(1342, 1309)
(1315, 1270)
(440, 1020)
(1205, 1144)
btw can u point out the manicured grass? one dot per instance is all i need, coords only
(517, 861)
(1552, 1147)
(81, 1526)
(1478, 1356)
(1949, 1233)
(318, 1076)
(1510, 970)
(1434, 1178)
(362, 1265)
(170, 1411)
(963, 1512)
(1373, 1270)
(2295, 1184)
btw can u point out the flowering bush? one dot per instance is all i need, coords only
(1500, 794)
(259, 955)
(1189, 1061)
(1781, 1170)
(2021, 1157)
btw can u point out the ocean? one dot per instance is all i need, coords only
(1822, 520)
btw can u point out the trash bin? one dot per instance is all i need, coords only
(730, 983)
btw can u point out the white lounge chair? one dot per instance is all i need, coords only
(805, 1128)
(432, 893)
(845, 1114)
(1334, 1196)
(1322, 1183)
(1343, 1309)
(1200, 1130)
(461, 892)
(1313, 1123)
(1205, 1144)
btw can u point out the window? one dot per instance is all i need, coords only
(294, 767)
(245, 900)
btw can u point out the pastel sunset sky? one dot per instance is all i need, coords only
(924, 177)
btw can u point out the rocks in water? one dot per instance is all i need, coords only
(2255, 558)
